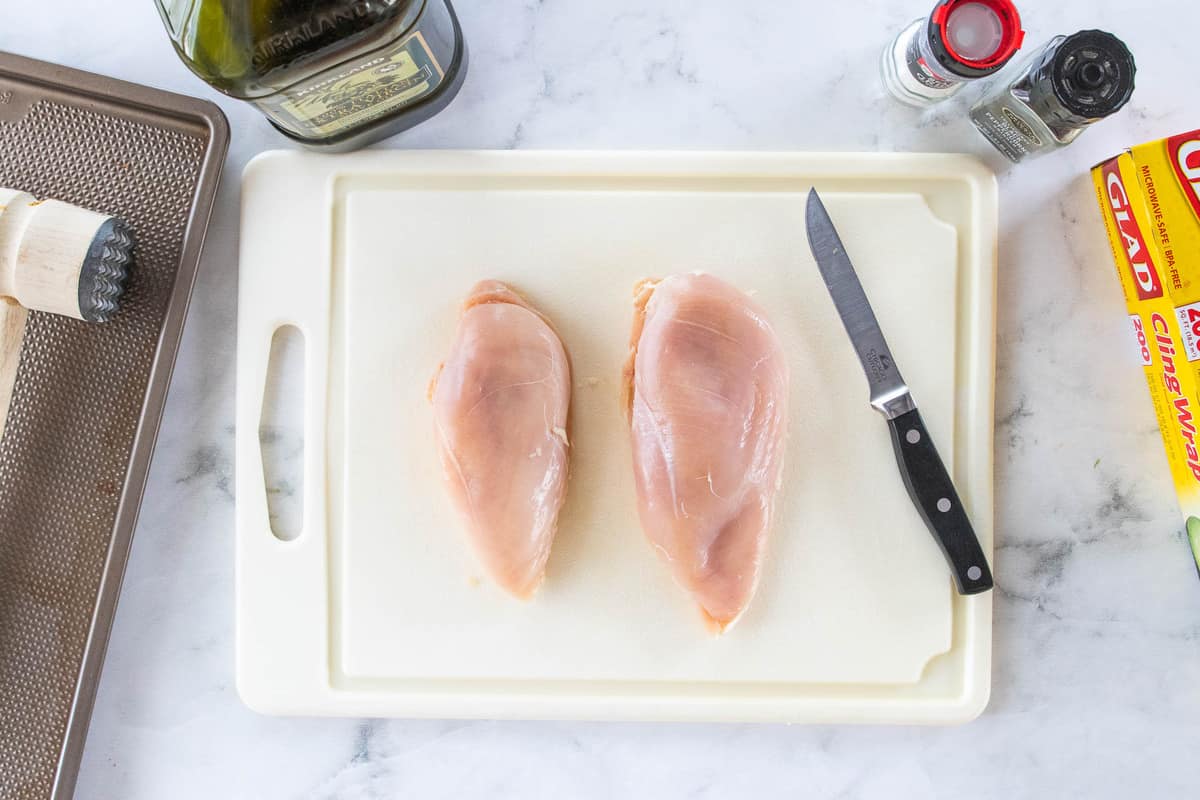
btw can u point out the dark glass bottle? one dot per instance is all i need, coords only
(332, 74)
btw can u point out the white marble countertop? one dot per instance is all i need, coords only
(1097, 616)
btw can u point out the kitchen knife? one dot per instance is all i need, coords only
(924, 474)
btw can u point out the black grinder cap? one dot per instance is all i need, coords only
(1092, 74)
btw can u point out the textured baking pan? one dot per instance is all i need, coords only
(88, 398)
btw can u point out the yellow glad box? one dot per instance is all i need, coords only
(1150, 199)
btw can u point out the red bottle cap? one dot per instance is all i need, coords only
(980, 35)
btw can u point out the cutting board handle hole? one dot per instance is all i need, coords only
(281, 433)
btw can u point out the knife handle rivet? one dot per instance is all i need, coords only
(913, 436)
(943, 505)
(974, 573)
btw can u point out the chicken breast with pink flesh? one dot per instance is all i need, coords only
(706, 393)
(500, 404)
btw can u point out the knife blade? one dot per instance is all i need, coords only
(924, 474)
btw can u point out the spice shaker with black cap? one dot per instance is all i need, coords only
(1058, 92)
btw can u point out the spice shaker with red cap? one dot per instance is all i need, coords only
(960, 41)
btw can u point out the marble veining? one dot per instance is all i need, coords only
(1096, 690)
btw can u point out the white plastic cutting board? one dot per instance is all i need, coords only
(377, 607)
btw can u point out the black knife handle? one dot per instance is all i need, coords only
(932, 492)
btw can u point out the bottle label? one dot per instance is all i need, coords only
(1007, 130)
(919, 67)
(358, 92)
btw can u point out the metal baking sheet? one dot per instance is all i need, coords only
(88, 398)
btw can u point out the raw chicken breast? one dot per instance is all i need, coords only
(500, 405)
(706, 394)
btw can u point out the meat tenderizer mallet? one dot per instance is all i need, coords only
(57, 258)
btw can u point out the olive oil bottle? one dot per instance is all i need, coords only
(331, 74)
